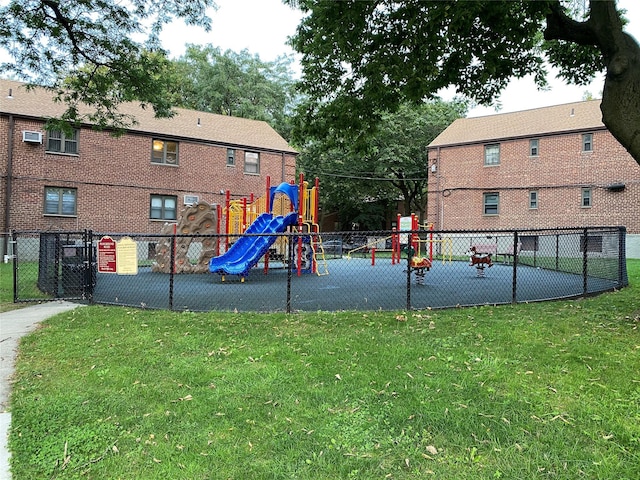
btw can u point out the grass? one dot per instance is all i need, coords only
(6, 287)
(546, 390)
(29, 279)
(6, 283)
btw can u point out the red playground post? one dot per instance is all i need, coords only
(267, 203)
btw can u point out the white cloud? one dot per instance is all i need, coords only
(522, 93)
(259, 26)
(263, 26)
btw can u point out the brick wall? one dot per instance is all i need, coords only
(558, 174)
(115, 179)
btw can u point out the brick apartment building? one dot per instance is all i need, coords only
(133, 183)
(548, 167)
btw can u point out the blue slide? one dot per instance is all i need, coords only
(245, 253)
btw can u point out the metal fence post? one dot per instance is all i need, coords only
(585, 262)
(57, 277)
(623, 278)
(14, 252)
(409, 259)
(514, 290)
(289, 270)
(172, 269)
(88, 272)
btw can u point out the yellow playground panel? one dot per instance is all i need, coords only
(446, 247)
(406, 224)
(241, 213)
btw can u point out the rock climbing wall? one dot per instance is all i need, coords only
(197, 219)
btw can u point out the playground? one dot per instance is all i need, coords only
(558, 267)
(267, 254)
(353, 284)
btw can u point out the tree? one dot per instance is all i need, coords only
(238, 84)
(361, 181)
(85, 52)
(361, 57)
(400, 148)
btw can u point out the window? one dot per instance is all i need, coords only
(231, 157)
(591, 243)
(586, 197)
(60, 201)
(163, 207)
(533, 199)
(529, 242)
(59, 142)
(534, 147)
(491, 203)
(164, 151)
(587, 142)
(251, 162)
(492, 154)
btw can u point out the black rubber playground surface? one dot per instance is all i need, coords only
(351, 284)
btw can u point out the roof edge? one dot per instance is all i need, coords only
(162, 135)
(516, 137)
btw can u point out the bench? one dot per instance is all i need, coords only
(507, 252)
(486, 248)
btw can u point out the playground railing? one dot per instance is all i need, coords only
(311, 271)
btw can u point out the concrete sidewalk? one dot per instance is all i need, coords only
(13, 325)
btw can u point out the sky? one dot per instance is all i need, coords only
(262, 27)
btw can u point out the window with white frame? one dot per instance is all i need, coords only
(60, 201)
(492, 154)
(587, 199)
(587, 142)
(163, 207)
(251, 162)
(491, 203)
(534, 147)
(164, 151)
(533, 199)
(231, 157)
(60, 142)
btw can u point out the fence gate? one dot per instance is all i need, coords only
(66, 265)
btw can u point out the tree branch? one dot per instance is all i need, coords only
(603, 28)
(67, 24)
(562, 27)
(64, 22)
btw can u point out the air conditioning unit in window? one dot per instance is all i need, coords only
(31, 137)
(191, 199)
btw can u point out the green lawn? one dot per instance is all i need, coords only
(29, 279)
(6, 287)
(546, 390)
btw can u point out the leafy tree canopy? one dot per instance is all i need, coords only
(238, 84)
(363, 57)
(97, 52)
(359, 180)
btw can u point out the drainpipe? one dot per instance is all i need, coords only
(7, 200)
(283, 168)
(440, 203)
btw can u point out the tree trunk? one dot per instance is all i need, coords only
(621, 96)
(620, 104)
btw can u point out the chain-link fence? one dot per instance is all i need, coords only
(290, 272)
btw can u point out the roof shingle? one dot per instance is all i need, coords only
(527, 123)
(223, 129)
